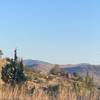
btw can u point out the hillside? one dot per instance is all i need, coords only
(50, 86)
(82, 69)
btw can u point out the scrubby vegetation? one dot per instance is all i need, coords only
(26, 84)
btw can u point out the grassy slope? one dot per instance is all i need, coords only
(33, 88)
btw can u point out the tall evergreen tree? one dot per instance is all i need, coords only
(13, 72)
(15, 55)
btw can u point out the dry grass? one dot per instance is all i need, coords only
(8, 93)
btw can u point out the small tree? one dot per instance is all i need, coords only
(12, 73)
(89, 83)
(55, 70)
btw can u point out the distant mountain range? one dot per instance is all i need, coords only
(82, 69)
(38, 65)
(32, 63)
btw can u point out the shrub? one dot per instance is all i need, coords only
(88, 81)
(55, 70)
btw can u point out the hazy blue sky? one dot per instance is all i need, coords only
(57, 31)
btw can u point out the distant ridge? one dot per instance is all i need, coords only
(38, 65)
(31, 63)
(82, 69)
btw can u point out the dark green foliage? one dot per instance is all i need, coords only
(12, 73)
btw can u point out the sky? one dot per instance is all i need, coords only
(56, 31)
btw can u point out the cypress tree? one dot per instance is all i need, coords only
(13, 72)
